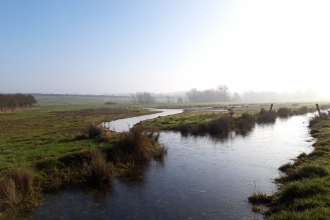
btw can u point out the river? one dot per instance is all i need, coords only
(200, 178)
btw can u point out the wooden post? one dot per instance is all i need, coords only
(318, 109)
(271, 106)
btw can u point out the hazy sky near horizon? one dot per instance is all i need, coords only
(98, 47)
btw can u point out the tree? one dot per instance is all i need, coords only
(168, 98)
(224, 92)
(180, 99)
(133, 99)
(235, 97)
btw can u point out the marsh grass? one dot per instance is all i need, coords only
(265, 116)
(304, 191)
(306, 171)
(136, 146)
(286, 167)
(245, 123)
(284, 112)
(259, 198)
(300, 111)
(15, 188)
(96, 170)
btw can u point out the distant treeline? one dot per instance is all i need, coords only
(15, 101)
(220, 94)
(143, 98)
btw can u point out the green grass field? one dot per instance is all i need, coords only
(44, 140)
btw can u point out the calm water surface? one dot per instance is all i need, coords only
(200, 178)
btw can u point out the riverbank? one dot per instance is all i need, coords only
(304, 191)
(218, 123)
(45, 149)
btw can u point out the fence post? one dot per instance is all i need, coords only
(318, 109)
(271, 106)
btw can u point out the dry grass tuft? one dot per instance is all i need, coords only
(15, 188)
(265, 116)
(96, 170)
(136, 146)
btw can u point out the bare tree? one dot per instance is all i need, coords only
(224, 92)
(235, 97)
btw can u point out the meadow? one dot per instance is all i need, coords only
(59, 142)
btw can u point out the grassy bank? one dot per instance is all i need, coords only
(218, 123)
(304, 191)
(47, 148)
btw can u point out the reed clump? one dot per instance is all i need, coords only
(136, 146)
(15, 188)
(98, 132)
(284, 112)
(301, 111)
(245, 123)
(265, 116)
(221, 125)
(96, 170)
(94, 130)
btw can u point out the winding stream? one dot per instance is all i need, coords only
(200, 178)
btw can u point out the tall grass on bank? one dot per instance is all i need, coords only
(245, 123)
(15, 188)
(316, 119)
(301, 111)
(96, 170)
(265, 116)
(220, 125)
(136, 146)
(284, 112)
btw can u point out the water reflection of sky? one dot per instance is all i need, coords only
(127, 123)
(201, 178)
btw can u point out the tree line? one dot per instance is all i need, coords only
(220, 94)
(15, 101)
(143, 98)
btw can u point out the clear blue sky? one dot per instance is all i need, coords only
(97, 47)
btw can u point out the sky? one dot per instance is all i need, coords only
(104, 46)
